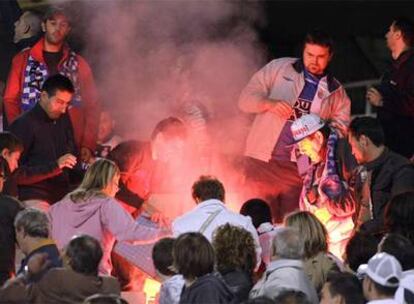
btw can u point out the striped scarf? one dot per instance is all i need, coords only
(35, 75)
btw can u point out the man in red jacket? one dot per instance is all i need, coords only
(49, 56)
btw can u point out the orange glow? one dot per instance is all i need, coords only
(151, 289)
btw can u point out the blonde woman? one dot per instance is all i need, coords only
(317, 260)
(92, 209)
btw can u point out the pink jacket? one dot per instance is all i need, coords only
(100, 217)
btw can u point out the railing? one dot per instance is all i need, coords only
(363, 84)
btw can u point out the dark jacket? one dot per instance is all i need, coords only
(391, 174)
(44, 141)
(206, 290)
(9, 207)
(239, 283)
(53, 256)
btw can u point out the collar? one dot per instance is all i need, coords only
(333, 84)
(211, 202)
(265, 227)
(404, 56)
(41, 113)
(37, 51)
(378, 161)
(283, 263)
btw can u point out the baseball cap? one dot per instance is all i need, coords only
(405, 292)
(384, 269)
(305, 126)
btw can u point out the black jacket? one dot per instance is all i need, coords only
(392, 174)
(44, 141)
(239, 283)
(207, 289)
(9, 207)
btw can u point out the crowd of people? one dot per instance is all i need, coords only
(329, 209)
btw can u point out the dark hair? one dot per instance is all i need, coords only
(53, 11)
(396, 245)
(57, 82)
(128, 154)
(208, 187)
(85, 254)
(385, 290)
(4, 168)
(193, 255)
(406, 27)
(258, 210)
(11, 142)
(234, 248)
(170, 127)
(319, 37)
(105, 299)
(292, 297)
(347, 286)
(368, 126)
(359, 249)
(34, 223)
(325, 131)
(162, 256)
(399, 215)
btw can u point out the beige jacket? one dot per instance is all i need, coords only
(283, 79)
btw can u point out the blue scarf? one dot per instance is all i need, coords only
(35, 75)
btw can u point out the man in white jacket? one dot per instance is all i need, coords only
(211, 212)
(278, 94)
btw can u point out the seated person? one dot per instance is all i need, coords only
(72, 284)
(107, 140)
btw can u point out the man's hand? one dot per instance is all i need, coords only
(66, 161)
(37, 263)
(159, 218)
(86, 155)
(281, 108)
(374, 97)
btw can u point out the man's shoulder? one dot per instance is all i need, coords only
(396, 162)
(284, 62)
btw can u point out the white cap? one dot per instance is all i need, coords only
(384, 269)
(305, 126)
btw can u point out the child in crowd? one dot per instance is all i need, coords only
(172, 283)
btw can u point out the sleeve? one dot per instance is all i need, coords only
(341, 113)
(249, 227)
(403, 180)
(14, 292)
(13, 89)
(399, 99)
(26, 175)
(92, 106)
(128, 197)
(257, 90)
(121, 224)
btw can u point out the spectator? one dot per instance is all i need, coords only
(107, 140)
(328, 188)
(383, 173)
(11, 149)
(235, 259)
(32, 234)
(27, 30)
(400, 247)
(49, 148)
(317, 262)
(211, 212)
(343, 288)
(278, 94)
(285, 270)
(360, 248)
(394, 96)
(72, 284)
(382, 277)
(292, 297)
(9, 207)
(194, 260)
(50, 56)
(92, 209)
(172, 283)
(399, 215)
(260, 213)
(260, 300)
